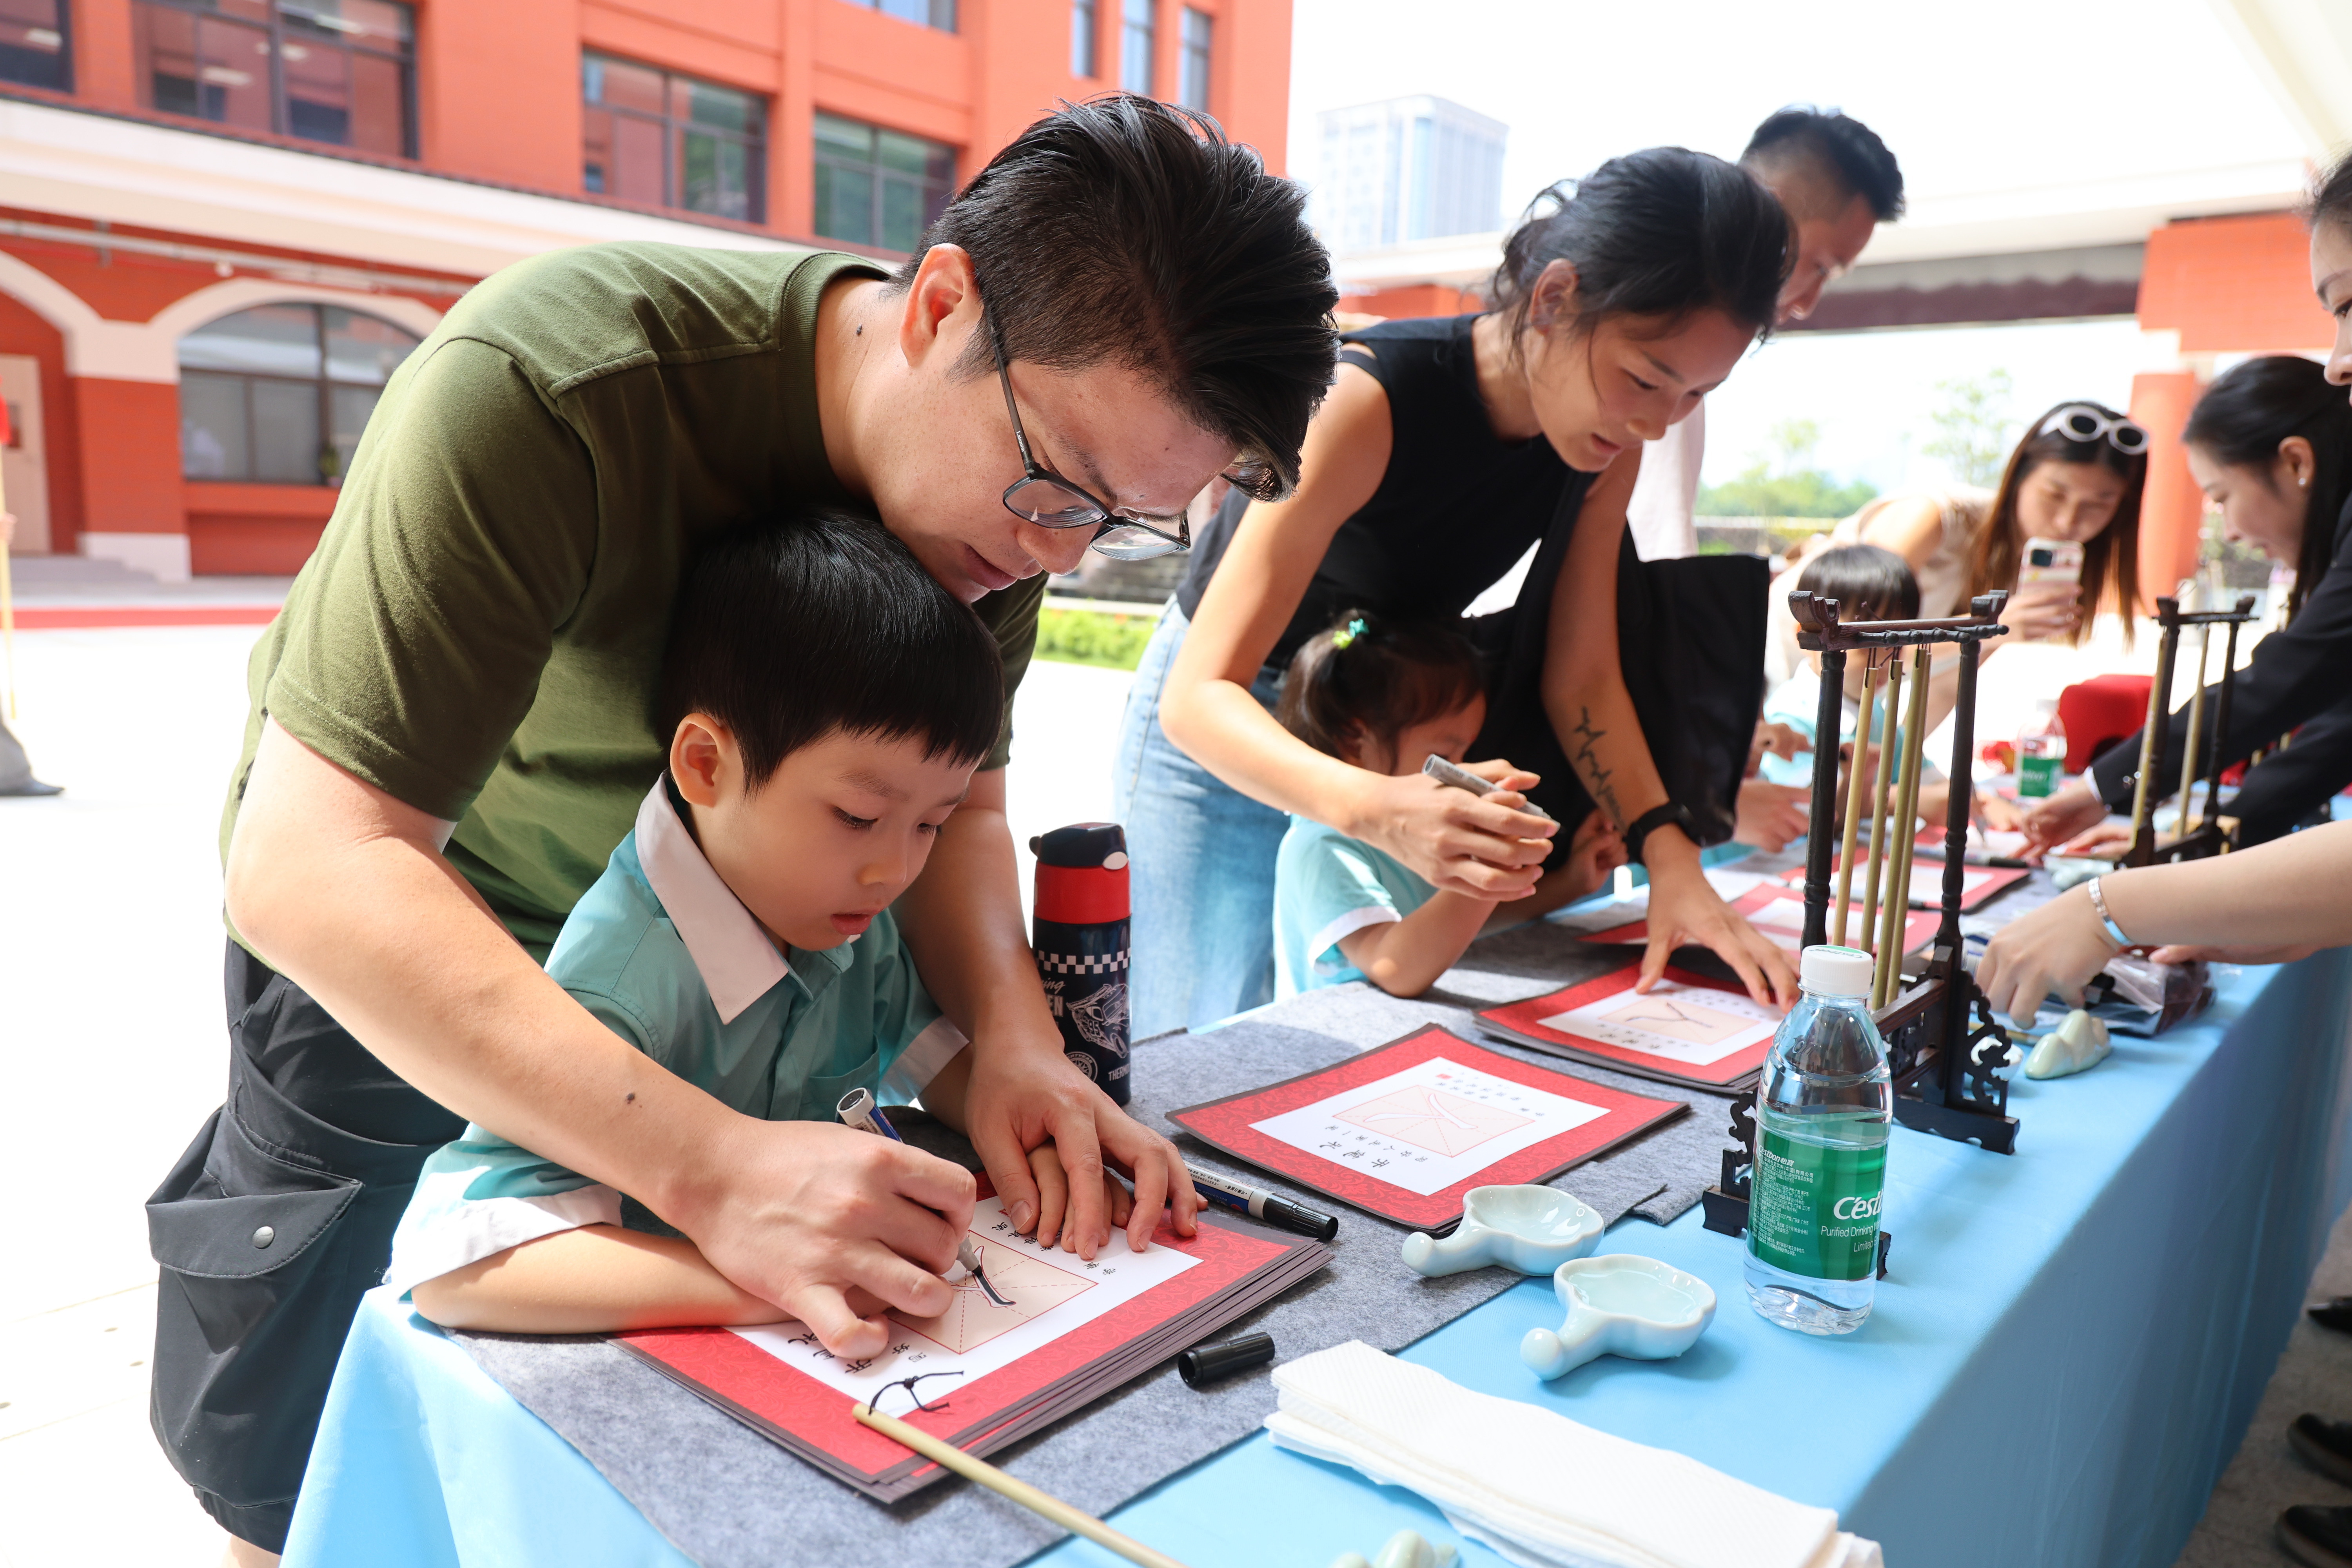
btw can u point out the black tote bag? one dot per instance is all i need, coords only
(1690, 638)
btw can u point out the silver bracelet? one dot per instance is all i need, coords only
(2099, 902)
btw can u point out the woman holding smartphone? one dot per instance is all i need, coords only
(2271, 443)
(2062, 533)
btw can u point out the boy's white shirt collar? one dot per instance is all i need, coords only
(739, 962)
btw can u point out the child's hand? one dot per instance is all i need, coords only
(1597, 849)
(1777, 739)
(1054, 1199)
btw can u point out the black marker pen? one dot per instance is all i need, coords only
(1259, 1203)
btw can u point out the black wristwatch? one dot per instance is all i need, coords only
(1639, 830)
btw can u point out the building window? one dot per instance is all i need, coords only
(1135, 46)
(1082, 37)
(878, 187)
(278, 395)
(343, 72)
(1193, 76)
(32, 49)
(673, 141)
(939, 14)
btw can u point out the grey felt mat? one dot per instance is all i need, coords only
(726, 1496)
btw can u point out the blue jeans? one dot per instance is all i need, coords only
(1201, 858)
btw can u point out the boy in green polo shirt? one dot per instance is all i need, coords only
(826, 703)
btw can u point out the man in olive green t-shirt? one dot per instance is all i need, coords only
(451, 729)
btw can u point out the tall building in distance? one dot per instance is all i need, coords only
(223, 223)
(1407, 169)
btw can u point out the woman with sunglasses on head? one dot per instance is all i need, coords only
(1446, 448)
(2271, 445)
(2076, 478)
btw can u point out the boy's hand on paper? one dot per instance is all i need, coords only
(835, 1226)
(1486, 847)
(1025, 1095)
(1053, 1204)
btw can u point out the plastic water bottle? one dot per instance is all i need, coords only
(1823, 1110)
(2041, 751)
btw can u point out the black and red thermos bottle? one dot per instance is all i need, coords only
(1080, 937)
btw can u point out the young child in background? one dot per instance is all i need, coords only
(1870, 583)
(1385, 695)
(826, 703)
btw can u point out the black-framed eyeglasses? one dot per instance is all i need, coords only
(1044, 498)
(2081, 423)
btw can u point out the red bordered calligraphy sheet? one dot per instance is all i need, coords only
(1778, 913)
(1977, 883)
(981, 1414)
(1459, 1111)
(1720, 1011)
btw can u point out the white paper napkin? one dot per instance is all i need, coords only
(1537, 1488)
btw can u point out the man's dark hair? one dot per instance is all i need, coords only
(789, 627)
(1664, 232)
(2250, 409)
(1369, 678)
(1126, 231)
(1844, 150)
(1869, 582)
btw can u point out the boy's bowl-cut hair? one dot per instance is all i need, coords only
(1869, 582)
(789, 627)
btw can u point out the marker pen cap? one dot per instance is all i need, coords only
(1206, 1364)
(1300, 1218)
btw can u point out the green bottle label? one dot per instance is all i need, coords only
(1813, 1208)
(2038, 776)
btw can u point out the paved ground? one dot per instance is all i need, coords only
(109, 961)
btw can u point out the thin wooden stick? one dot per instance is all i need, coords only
(1880, 778)
(1043, 1504)
(1889, 969)
(2188, 769)
(1854, 800)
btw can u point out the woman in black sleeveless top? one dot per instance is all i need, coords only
(1444, 450)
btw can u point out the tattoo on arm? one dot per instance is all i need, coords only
(1587, 760)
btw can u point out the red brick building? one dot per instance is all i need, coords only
(223, 222)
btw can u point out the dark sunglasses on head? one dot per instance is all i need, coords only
(2081, 422)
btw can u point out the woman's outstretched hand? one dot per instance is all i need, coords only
(2073, 811)
(1685, 909)
(1487, 846)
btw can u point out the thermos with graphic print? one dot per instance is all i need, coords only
(1080, 937)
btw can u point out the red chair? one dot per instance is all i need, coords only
(2100, 711)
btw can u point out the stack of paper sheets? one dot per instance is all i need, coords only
(1046, 1334)
(1536, 1486)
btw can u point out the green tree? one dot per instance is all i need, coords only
(1973, 427)
(1785, 483)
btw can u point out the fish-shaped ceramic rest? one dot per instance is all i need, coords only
(1619, 1304)
(1531, 1229)
(1405, 1549)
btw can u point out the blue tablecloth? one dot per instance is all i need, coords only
(2066, 1353)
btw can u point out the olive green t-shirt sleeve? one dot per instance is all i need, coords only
(414, 646)
(1012, 615)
